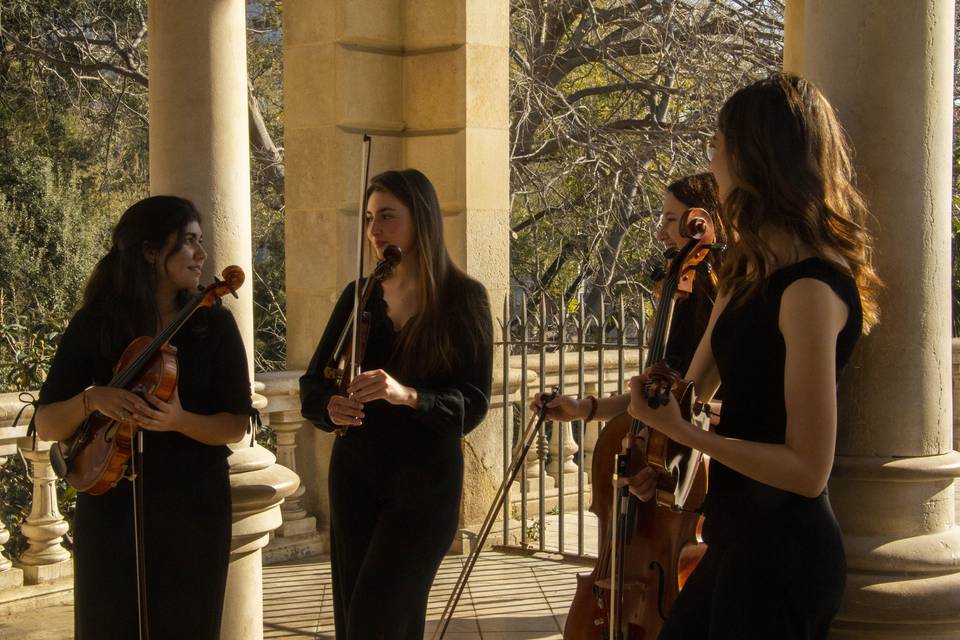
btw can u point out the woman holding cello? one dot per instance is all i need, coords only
(797, 290)
(396, 473)
(689, 317)
(662, 534)
(152, 268)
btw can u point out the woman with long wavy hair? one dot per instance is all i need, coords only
(396, 475)
(797, 289)
(152, 268)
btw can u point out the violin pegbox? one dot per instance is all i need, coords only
(233, 279)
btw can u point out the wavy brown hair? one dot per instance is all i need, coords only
(791, 170)
(453, 308)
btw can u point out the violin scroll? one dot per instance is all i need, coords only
(233, 279)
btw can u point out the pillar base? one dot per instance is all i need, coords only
(11, 579)
(44, 573)
(295, 547)
(886, 606)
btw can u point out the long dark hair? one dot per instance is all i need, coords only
(453, 308)
(791, 170)
(123, 286)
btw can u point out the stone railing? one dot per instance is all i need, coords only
(45, 561)
(576, 373)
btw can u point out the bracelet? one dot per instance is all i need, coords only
(593, 408)
(86, 404)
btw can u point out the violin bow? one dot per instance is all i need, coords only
(528, 437)
(361, 215)
(361, 219)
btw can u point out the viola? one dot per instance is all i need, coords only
(647, 549)
(98, 454)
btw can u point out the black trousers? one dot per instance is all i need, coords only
(394, 512)
(778, 584)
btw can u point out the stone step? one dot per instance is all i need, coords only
(36, 596)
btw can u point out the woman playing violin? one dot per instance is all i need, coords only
(150, 271)
(397, 473)
(796, 292)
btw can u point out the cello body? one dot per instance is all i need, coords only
(664, 543)
(647, 549)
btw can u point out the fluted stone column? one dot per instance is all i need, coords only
(887, 67)
(199, 149)
(429, 80)
(46, 559)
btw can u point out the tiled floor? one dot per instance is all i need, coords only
(508, 597)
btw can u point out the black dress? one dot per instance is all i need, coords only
(186, 492)
(395, 482)
(775, 565)
(691, 315)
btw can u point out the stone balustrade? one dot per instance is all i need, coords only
(294, 533)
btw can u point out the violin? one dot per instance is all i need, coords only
(97, 455)
(647, 549)
(345, 361)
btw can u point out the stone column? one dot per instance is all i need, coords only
(199, 141)
(258, 486)
(429, 80)
(887, 67)
(46, 560)
(199, 149)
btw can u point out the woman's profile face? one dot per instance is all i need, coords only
(181, 268)
(720, 164)
(668, 231)
(389, 221)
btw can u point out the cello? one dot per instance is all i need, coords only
(647, 549)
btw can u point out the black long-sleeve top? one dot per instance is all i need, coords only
(447, 405)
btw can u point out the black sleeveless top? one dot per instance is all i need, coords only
(750, 354)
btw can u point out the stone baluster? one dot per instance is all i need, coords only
(286, 424)
(5, 562)
(562, 461)
(591, 432)
(46, 559)
(297, 537)
(956, 419)
(10, 577)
